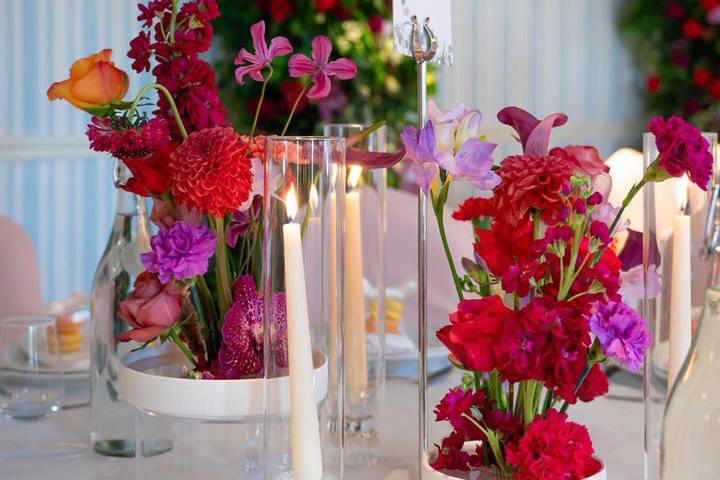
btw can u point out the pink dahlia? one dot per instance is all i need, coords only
(211, 171)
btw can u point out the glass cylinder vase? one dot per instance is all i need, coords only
(365, 386)
(303, 239)
(678, 217)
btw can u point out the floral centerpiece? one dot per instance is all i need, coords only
(199, 289)
(540, 306)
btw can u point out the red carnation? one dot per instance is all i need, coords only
(653, 83)
(701, 77)
(474, 328)
(594, 385)
(532, 182)
(211, 171)
(474, 207)
(692, 29)
(553, 448)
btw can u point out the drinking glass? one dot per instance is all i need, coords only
(31, 379)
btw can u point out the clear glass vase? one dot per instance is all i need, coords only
(678, 217)
(112, 421)
(365, 397)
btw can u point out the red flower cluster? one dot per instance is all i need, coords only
(452, 408)
(553, 448)
(117, 137)
(179, 68)
(255, 145)
(210, 171)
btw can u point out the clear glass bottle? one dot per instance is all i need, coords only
(112, 421)
(692, 417)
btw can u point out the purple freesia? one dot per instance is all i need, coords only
(472, 162)
(423, 158)
(263, 56)
(241, 349)
(534, 134)
(453, 127)
(180, 252)
(320, 67)
(682, 150)
(622, 333)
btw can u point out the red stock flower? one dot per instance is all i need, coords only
(594, 385)
(653, 83)
(553, 448)
(474, 328)
(115, 137)
(708, 5)
(451, 455)
(457, 402)
(532, 182)
(692, 29)
(211, 171)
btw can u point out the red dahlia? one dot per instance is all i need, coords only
(211, 171)
(530, 181)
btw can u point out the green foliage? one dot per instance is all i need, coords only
(384, 88)
(670, 57)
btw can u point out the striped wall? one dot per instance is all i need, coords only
(544, 55)
(49, 182)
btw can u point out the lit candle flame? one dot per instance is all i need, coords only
(354, 176)
(291, 203)
(681, 192)
(313, 197)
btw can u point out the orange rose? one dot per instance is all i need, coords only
(94, 84)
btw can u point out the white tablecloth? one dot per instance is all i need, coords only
(57, 448)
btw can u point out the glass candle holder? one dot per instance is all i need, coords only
(677, 219)
(303, 240)
(365, 307)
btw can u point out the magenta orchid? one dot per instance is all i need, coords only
(321, 68)
(263, 56)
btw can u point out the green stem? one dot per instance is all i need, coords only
(207, 301)
(169, 203)
(547, 402)
(439, 209)
(578, 384)
(292, 112)
(173, 21)
(221, 268)
(478, 381)
(176, 339)
(170, 100)
(262, 97)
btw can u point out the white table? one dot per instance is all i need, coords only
(57, 448)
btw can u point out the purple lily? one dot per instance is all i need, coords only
(263, 56)
(534, 134)
(473, 162)
(423, 158)
(320, 67)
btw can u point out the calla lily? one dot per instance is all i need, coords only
(534, 134)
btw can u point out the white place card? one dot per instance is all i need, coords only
(440, 16)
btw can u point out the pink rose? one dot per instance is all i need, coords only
(150, 308)
(160, 215)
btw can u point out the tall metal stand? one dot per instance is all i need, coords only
(422, 56)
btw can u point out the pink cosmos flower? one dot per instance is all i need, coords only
(320, 68)
(263, 56)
